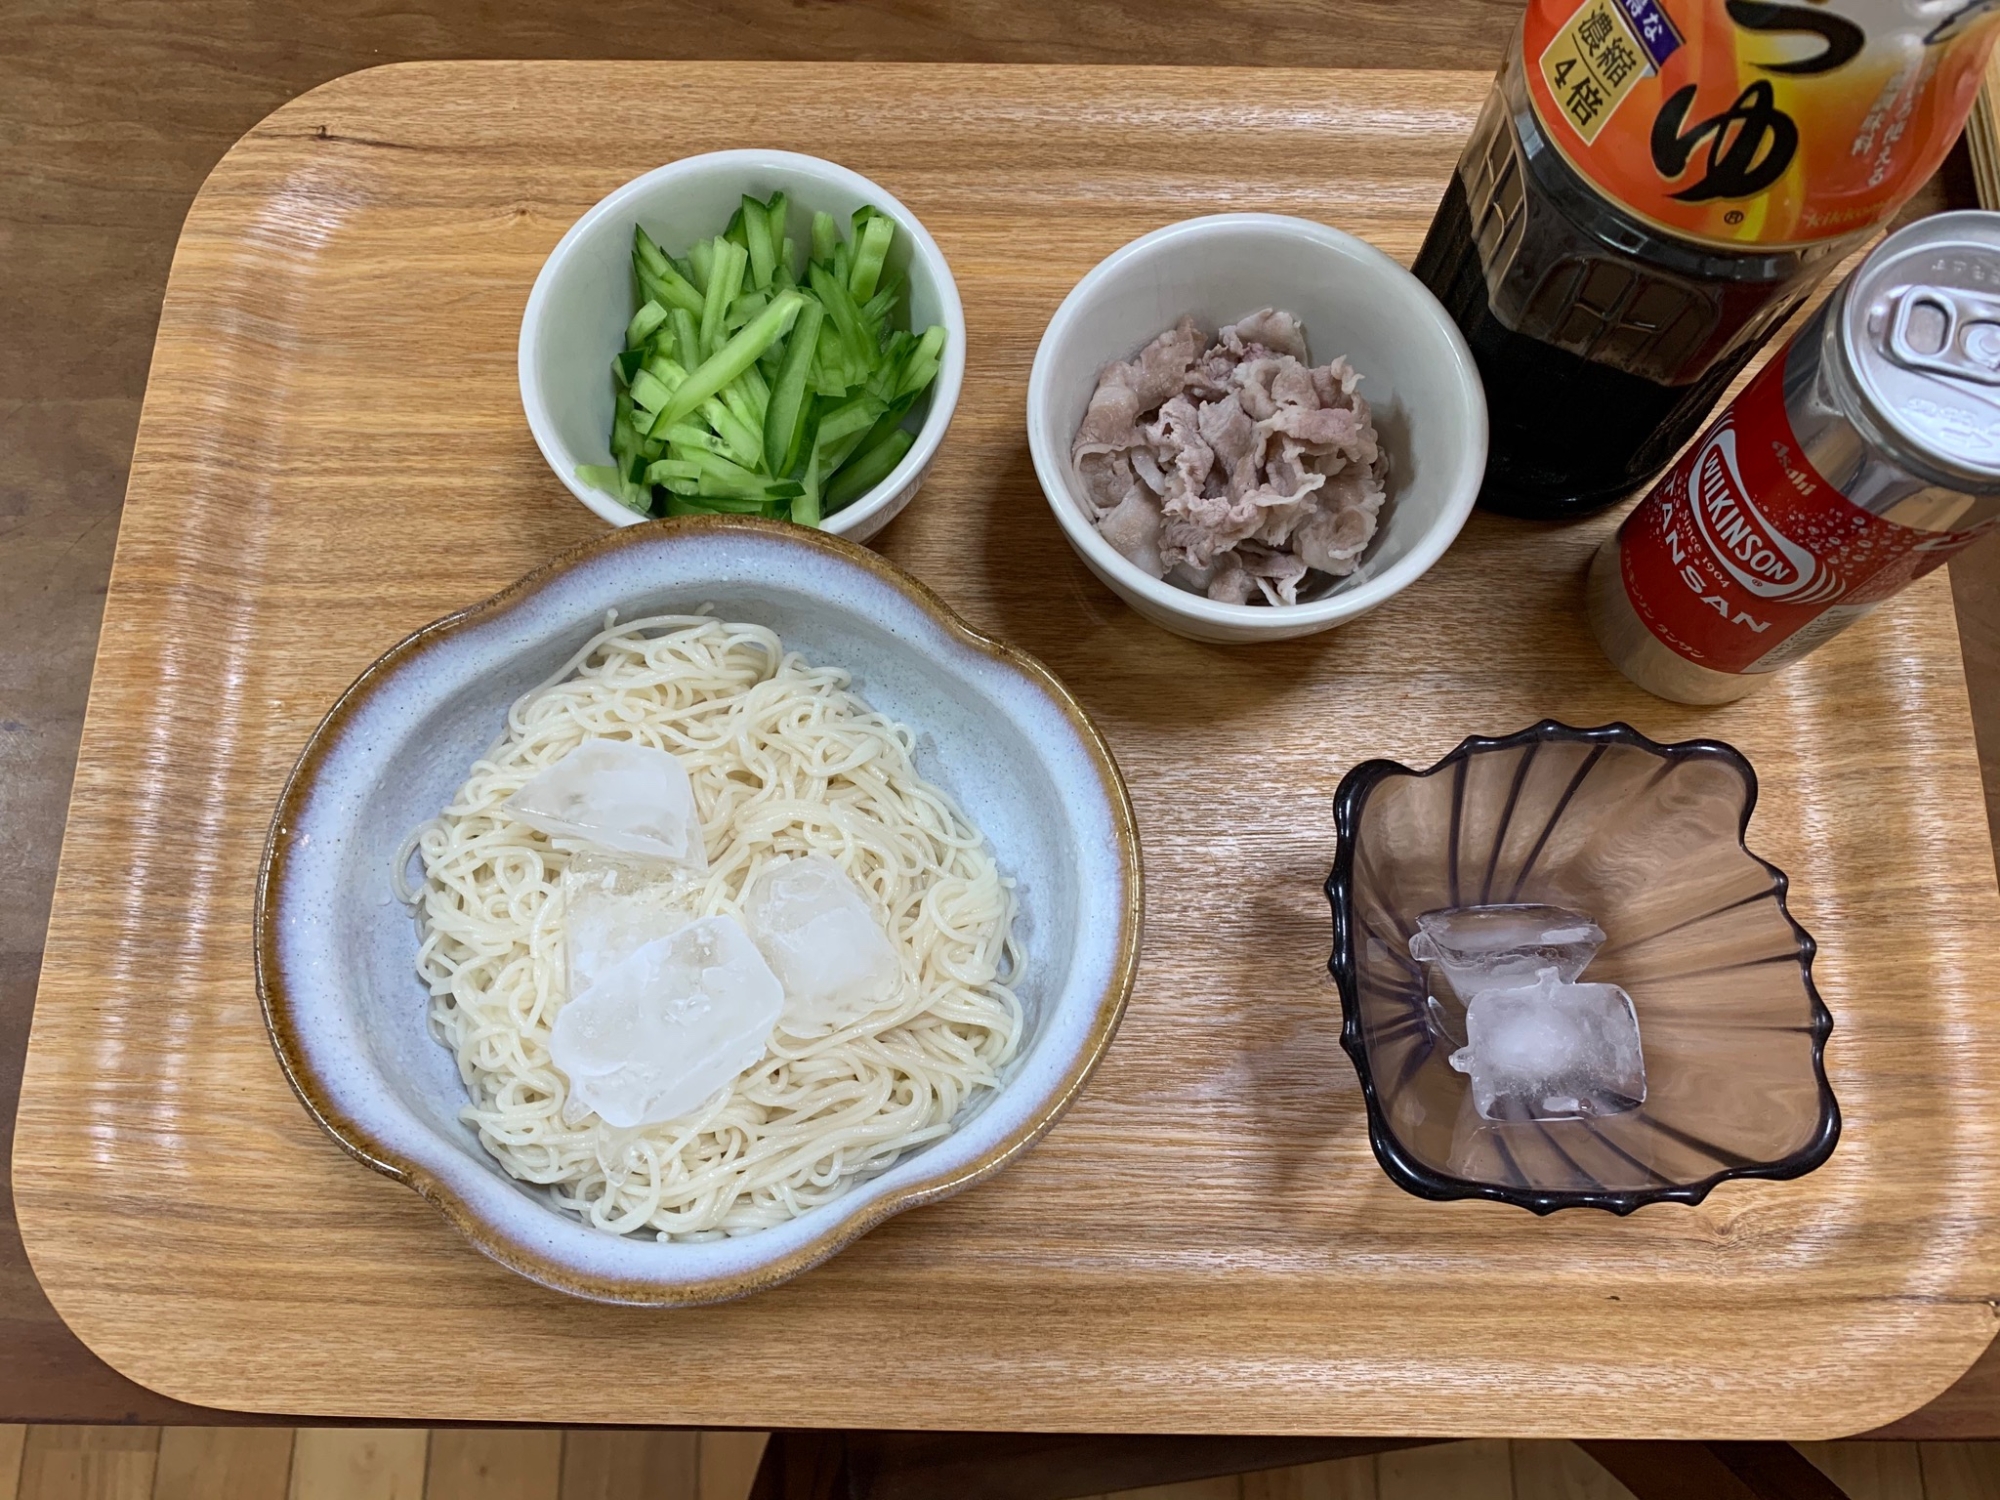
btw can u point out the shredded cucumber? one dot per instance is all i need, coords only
(751, 384)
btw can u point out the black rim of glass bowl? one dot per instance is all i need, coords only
(1403, 1168)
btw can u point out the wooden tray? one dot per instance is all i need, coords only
(333, 453)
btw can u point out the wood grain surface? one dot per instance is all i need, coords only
(113, 111)
(332, 453)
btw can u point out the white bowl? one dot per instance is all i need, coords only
(336, 952)
(1416, 373)
(582, 300)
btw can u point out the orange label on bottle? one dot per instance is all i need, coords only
(1752, 122)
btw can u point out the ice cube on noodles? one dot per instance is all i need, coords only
(613, 906)
(616, 795)
(658, 1033)
(823, 941)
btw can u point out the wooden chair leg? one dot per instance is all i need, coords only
(1714, 1471)
(1019, 1466)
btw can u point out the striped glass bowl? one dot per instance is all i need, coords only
(1648, 839)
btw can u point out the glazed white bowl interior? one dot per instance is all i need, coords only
(582, 300)
(1417, 375)
(341, 946)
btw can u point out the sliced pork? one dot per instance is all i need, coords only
(1233, 466)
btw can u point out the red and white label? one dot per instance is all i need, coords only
(1743, 545)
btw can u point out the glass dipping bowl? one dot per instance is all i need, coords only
(1646, 839)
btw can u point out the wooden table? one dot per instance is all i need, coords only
(91, 221)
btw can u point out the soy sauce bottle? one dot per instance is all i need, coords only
(1651, 189)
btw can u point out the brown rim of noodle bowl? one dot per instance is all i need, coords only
(359, 1141)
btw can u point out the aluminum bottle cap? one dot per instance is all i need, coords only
(1920, 329)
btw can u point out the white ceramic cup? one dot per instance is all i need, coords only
(1417, 375)
(582, 300)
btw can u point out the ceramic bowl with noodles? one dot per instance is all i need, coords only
(826, 708)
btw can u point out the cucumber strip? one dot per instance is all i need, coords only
(844, 316)
(614, 483)
(660, 471)
(668, 288)
(752, 381)
(647, 254)
(649, 391)
(842, 264)
(784, 417)
(725, 281)
(806, 508)
(748, 407)
(734, 232)
(732, 359)
(883, 380)
(722, 480)
(655, 290)
(744, 308)
(701, 259)
(916, 377)
(834, 454)
(877, 308)
(891, 418)
(857, 414)
(757, 240)
(867, 469)
(922, 367)
(931, 344)
(720, 470)
(687, 338)
(744, 437)
(601, 477)
(824, 238)
(830, 375)
(713, 503)
(870, 250)
(777, 214)
(625, 431)
(645, 323)
(687, 435)
(668, 371)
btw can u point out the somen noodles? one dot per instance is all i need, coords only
(784, 761)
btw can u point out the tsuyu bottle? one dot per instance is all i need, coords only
(1652, 187)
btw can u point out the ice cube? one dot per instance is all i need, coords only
(1552, 1050)
(823, 941)
(659, 1032)
(614, 907)
(617, 795)
(1479, 947)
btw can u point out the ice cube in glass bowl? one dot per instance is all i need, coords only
(1467, 949)
(1552, 1050)
(1647, 840)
